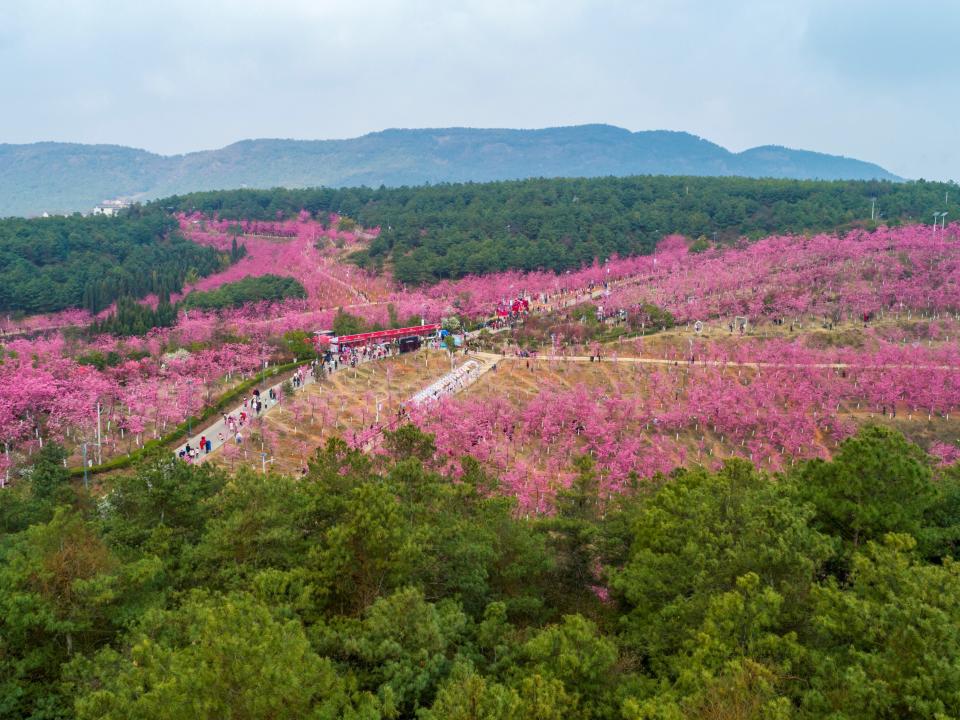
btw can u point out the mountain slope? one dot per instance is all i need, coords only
(62, 177)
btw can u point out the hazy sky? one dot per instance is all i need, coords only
(873, 79)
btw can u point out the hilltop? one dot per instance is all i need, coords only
(68, 177)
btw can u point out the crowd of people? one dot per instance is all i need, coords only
(454, 381)
(258, 402)
(449, 383)
(353, 356)
(298, 379)
(235, 422)
(189, 453)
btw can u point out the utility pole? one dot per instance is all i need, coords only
(264, 461)
(189, 417)
(99, 438)
(86, 480)
(873, 208)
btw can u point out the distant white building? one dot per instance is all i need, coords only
(110, 207)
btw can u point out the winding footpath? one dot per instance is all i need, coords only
(488, 361)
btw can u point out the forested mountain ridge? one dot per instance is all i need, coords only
(66, 177)
(433, 232)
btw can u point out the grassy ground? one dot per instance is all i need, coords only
(341, 405)
(518, 380)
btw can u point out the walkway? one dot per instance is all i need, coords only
(724, 363)
(213, 431)
(456, 380)
(450, 384)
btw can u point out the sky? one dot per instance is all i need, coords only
(871, 79)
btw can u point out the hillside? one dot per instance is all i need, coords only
(66, 177)
(56, 263)
(599, 494)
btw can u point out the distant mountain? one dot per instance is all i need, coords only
(65, 177)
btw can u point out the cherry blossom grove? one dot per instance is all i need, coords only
(799, 401)
(770, 402)
(51, 394)
(895, 269)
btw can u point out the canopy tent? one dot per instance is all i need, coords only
(384, 335)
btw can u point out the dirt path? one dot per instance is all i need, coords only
(721, 363)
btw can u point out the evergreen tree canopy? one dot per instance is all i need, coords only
(375, 587)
